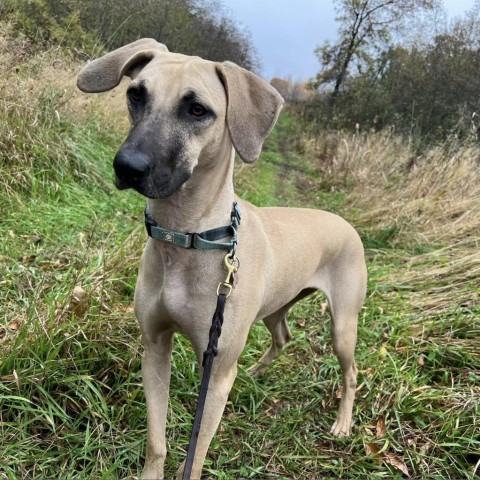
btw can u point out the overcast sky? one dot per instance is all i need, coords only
(286, 32)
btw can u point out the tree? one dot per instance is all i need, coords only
(192, 27)
(365, 25)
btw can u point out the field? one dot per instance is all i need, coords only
(71, 400)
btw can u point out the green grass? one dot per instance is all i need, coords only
(71, 400)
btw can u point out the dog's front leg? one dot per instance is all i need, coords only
(156, 382)
(220, 385)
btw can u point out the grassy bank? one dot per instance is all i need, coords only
(71, 401)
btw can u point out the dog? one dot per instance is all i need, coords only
(188, 118)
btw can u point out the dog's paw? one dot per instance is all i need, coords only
(341, 428)
(257, 370)
(196, 472)
(152, 471)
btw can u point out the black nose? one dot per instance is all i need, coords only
(131, 166)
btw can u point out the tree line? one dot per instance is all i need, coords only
(192, 27)
(395, 63)
(398, 64)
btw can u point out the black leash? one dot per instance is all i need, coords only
(231, 264)
(208, 356)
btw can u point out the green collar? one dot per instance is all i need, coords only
(207, 240)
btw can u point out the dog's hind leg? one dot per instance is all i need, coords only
(344, 347)
(276, 324)
(346, 297)
(278, 328)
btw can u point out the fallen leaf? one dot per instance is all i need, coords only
(383, 351)
(323, 307)
(421, 360)
(371, 449)
(397, 462)
(380, 427)
(338, 393)
(15, 325)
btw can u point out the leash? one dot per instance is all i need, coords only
(207, 240)
(224, 290)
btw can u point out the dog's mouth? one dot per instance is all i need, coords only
(151, 190)
(121, 184)
(142, 187)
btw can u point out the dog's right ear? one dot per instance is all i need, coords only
(105, 72)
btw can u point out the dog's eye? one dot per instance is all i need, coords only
(135, 95)
(197, 110)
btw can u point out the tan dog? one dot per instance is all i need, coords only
(188, 115)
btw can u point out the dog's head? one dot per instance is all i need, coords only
(183, 111)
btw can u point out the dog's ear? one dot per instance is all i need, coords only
(105, 72)
(252, 109)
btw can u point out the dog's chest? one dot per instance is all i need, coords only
(187, 287)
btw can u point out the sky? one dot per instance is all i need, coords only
(286, 32)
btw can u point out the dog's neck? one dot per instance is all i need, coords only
(203, 202)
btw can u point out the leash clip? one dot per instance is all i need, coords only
(230, 264)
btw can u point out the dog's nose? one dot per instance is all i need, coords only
(131, 166)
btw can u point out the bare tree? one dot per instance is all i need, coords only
(364, 25)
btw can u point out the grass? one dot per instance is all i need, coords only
(71, 400)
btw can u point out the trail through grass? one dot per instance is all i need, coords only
(71, 401)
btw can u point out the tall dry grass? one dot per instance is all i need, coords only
(43, 116)
(429, 203)
(430, 198)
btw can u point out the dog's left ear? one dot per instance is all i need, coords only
(252, 109)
